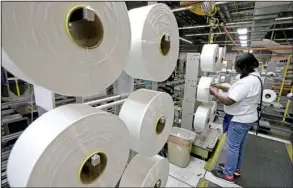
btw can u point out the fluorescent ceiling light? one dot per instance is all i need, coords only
(243, 41)
(243, 45)
(242, 31)
(243, 37)
(185, 40)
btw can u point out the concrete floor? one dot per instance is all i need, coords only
(186, 177)
(190, 176)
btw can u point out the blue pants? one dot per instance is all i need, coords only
(236, 135)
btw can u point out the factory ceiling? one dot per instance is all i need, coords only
(264, 20)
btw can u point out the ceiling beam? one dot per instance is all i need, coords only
(268, 48)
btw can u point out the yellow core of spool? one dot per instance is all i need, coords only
(160, 126)
(87, 34)
(164, 45)
(89, 173)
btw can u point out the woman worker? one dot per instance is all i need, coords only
(240, 106)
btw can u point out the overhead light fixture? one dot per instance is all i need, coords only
(243, 37)
(243, 45)
(185, 40)
(243, 41)
(242, 31)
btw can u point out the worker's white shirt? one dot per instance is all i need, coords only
(246, 92)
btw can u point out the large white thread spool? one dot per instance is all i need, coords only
(56, 46)
(213, 108)
(145, 171)
(209, 57)
(73, 145)
(203, 89)
(269, 96)
(149, 117)
(220, 59)
(270, 75)
(201, 119)
(154, 43)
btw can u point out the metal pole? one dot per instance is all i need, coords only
(7, 83)
(181, 9)
(285, 35)
(284, 76)
(287, 106)
(237, 24)
(228, 34)
(105, 106)
(269, 48)
(223, 33)
(106, 99)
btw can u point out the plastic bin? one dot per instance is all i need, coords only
(179, 146)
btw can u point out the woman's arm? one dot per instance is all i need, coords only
(221, 87)
(224, 88)
(224, 100)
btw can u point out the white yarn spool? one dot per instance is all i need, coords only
(145, 171)
(203, 89)
(201, 119)
(54, 151)
(209, 57)
(290, 95)
(149, 117)
(213, 106)
(269, 96)
(154, 43)
(270, 75)
(44, 46)
(220, 59)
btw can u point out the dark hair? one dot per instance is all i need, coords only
(246, 63)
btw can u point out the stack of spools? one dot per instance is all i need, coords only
(149, 114)
(209, 62)
(77, 145)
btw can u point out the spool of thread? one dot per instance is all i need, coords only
(220, 59)
(154, 43)
(209, 57)
(271, 75)
(203, 89)
(149, 116)
(145, 171)
(201, 119)
(290, 96)
(74, 145)
(269, 96)
(56, 45)
(213, 108)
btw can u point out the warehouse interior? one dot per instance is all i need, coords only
(148, 93)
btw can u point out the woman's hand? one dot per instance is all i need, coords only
(221, 87)
(213, 91)
(218, 86)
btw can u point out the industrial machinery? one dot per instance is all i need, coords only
(204, 142)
